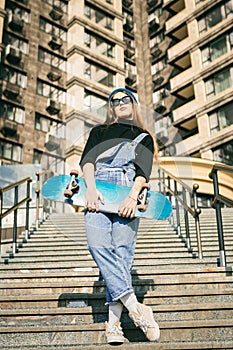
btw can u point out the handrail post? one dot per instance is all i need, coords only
(1, 199)
(27, 211)
(222, 254)
(178, 227)
(37, 199)
(14, 243)
(197, 221)
(159, 178)
(186, 219)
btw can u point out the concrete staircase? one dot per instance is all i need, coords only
(50, 296)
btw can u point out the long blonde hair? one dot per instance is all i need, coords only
(137, 121)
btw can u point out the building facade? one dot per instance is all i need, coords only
(60, 60)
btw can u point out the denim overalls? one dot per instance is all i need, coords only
(111, 239)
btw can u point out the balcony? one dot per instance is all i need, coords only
(174, 6)
(53, 107)
(55, 43)
(56, 13)
(9, 128)
(15, 22)
(13, 54)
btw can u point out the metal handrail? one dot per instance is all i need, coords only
(216, 204)
(14, 208)
(182, 199)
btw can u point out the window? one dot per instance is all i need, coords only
(45, 124)
(99, 74)
(10, 151)
(21, 13)
(14, 77)
(13, 113)
(95, 104)
(224, 153)
(219, 82)
(18, 43)
(98, 17)
(52, 60)
(50, 91)
(159, 66)
(99, 45)
(215, 16)
(221, 118)
(50, 28)
(217, 48)
(48, 161)
(199, 1)
(58, 3)
(156, 39)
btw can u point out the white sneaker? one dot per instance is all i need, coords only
(144, 319)
(114, 335)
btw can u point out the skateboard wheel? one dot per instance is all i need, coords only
(68, 193)
(74, 172)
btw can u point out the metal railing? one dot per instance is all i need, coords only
(217, 204)
(178, 192)
(14, 209)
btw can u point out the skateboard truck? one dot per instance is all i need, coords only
(73, 186)
(142, 198)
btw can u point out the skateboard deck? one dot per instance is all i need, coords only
(159, 207)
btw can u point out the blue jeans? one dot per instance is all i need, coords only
(111, 241)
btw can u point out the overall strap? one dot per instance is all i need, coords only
(138, 139)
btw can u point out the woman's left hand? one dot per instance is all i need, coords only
(128, 207)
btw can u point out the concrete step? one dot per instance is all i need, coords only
(97, 313)
(65, 335)
(70, 297)
(171, 345)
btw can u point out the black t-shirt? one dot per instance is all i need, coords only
(102, 137)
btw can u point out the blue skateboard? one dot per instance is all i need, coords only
(71, 189)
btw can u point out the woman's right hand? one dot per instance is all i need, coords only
(92, 198)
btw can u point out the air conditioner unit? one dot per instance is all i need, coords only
(55, 42)
(153, 23)
(9, 128)
(56, 13)
(11, 91)
(53, 107)
(54, 74)
(162, 136)
(52, 142)
(13, 54)
(15, 22)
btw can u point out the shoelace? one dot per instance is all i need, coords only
(116, 329)
(142, 323)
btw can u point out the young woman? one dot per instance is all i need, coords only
(119, 151)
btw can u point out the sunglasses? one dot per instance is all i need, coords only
(116, 101)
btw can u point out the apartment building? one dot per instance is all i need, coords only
(60, 60)
(33, 82)
(201, 53)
